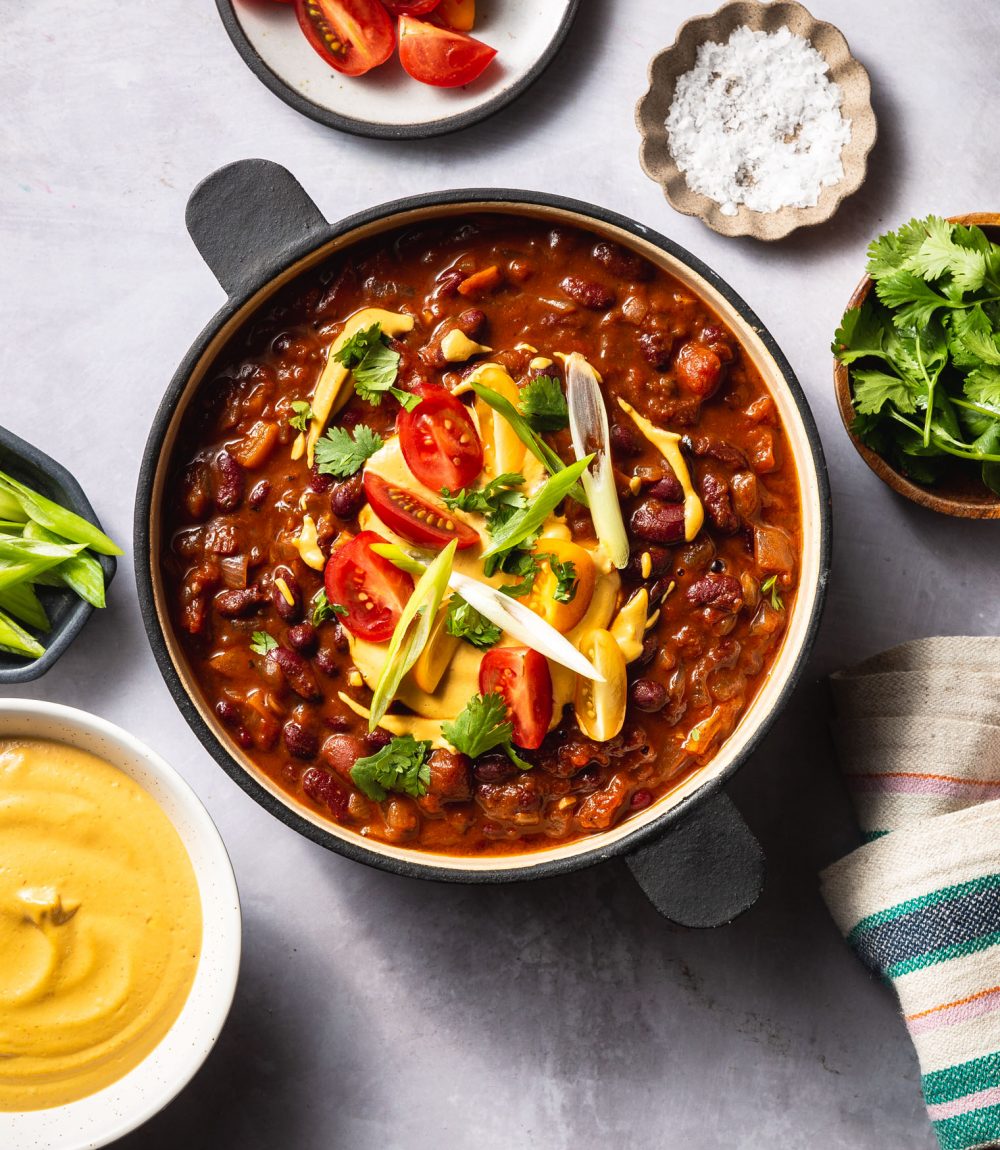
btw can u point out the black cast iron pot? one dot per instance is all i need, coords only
(691, 851)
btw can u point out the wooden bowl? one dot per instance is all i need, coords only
(672, 62)
(960, 492)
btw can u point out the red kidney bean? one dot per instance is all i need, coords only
(326, 660)
(230, 480)
(621, 262)
(659, 558)
(290, 612)
(650, 646)
(297, 672)
(715, 496)
(625, 440)
(228, 713)
(502, 801)
(712, 447)
(658, 522)
(348, 497)
(302, 638)
(300, 740)
(697, 369)
(340, 640)
(338, 723)
(259, 493)
(648, 695)
(377, 739)
(721, 591)
(243, 737)
(319, 481)
(668, 488)
(451, 777)
(493, 769)
(640, 799)
(196, 490)
(588, 293)
(237, 603)
(341, 752)
(471, 321)
(657, 347)
(323, 789)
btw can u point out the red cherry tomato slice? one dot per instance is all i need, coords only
(410, 516)
(439, 440)
(373, 590)
(440, 56)
(521, 676)
(411, 7)
(352, 36)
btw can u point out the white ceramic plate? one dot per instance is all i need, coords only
(386, 102)
(111, 1113)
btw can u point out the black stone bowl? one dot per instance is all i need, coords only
(67, 612)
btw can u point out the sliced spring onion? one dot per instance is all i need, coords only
(529, 520)
(22, 602)
(25, 559)
(17, 641)
(412, 631)
(506, 613)
(588, 423)
(66, 523)
(531, 440)
(82, 574)
(11, 511)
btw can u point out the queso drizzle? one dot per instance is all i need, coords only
(250, 525)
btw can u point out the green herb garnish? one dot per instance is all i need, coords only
(303, 414)
(543, 404)
(770, 587)
(923, 350)
(375, 366)
(484, 725)
(400, 765)
(337, 453)
(323, 609)
(497, 500)
(465, 622)
(261, 642)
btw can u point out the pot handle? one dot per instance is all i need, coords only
(707, 870)
(250, 219)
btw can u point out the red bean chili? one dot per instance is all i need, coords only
(235, 500)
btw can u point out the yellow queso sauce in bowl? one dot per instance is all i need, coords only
(119, 929)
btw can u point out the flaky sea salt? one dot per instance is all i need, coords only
(757, 121)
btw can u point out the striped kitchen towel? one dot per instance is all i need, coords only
(917, 731)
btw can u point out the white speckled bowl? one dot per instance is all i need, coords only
(111, 1113)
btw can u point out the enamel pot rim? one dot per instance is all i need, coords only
(243, 281)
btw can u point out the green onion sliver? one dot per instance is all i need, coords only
(58, 519)
(17, 641)
(82, 573)
(529, 520)
(412, 632)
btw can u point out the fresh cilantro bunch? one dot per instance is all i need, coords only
(401, 765)
(465, 622)
(498, 500)
(924, 350)
(375, 365)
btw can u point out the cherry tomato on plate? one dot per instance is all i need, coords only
(411, 7)
(521, 677)
(440, 56)
(415, 519)
(439, 441)
(371, 589)
(352, 36)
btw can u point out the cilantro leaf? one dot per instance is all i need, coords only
(375, 366)
(939, 255)
(337, 453)
(303, 414)
(566, 580)
(983, 386)
(465, 622)
(522, 563)
(497, 500)
(483, 725)
(770, 587)
(912, 298)
(862, 332)
(543, 404)
(323, 609)
(892, 251)
(261, 642)
(401, 765)
(874, 389)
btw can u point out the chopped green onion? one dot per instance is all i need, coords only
(15, 640)
(528, 521)
(531, 440)
(412, 632)
(22, 602)
(588, 421)
(48, 514)
(82, 574)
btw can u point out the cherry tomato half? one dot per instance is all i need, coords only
(373, 590)
(411, 7)
(352, 36)
(439, 441)
(441, 56)
(413, 518)
(521, 676)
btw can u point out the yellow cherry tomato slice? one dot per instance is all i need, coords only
(600, 707)
(542, 598)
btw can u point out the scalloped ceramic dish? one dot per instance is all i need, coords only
(668, 65)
